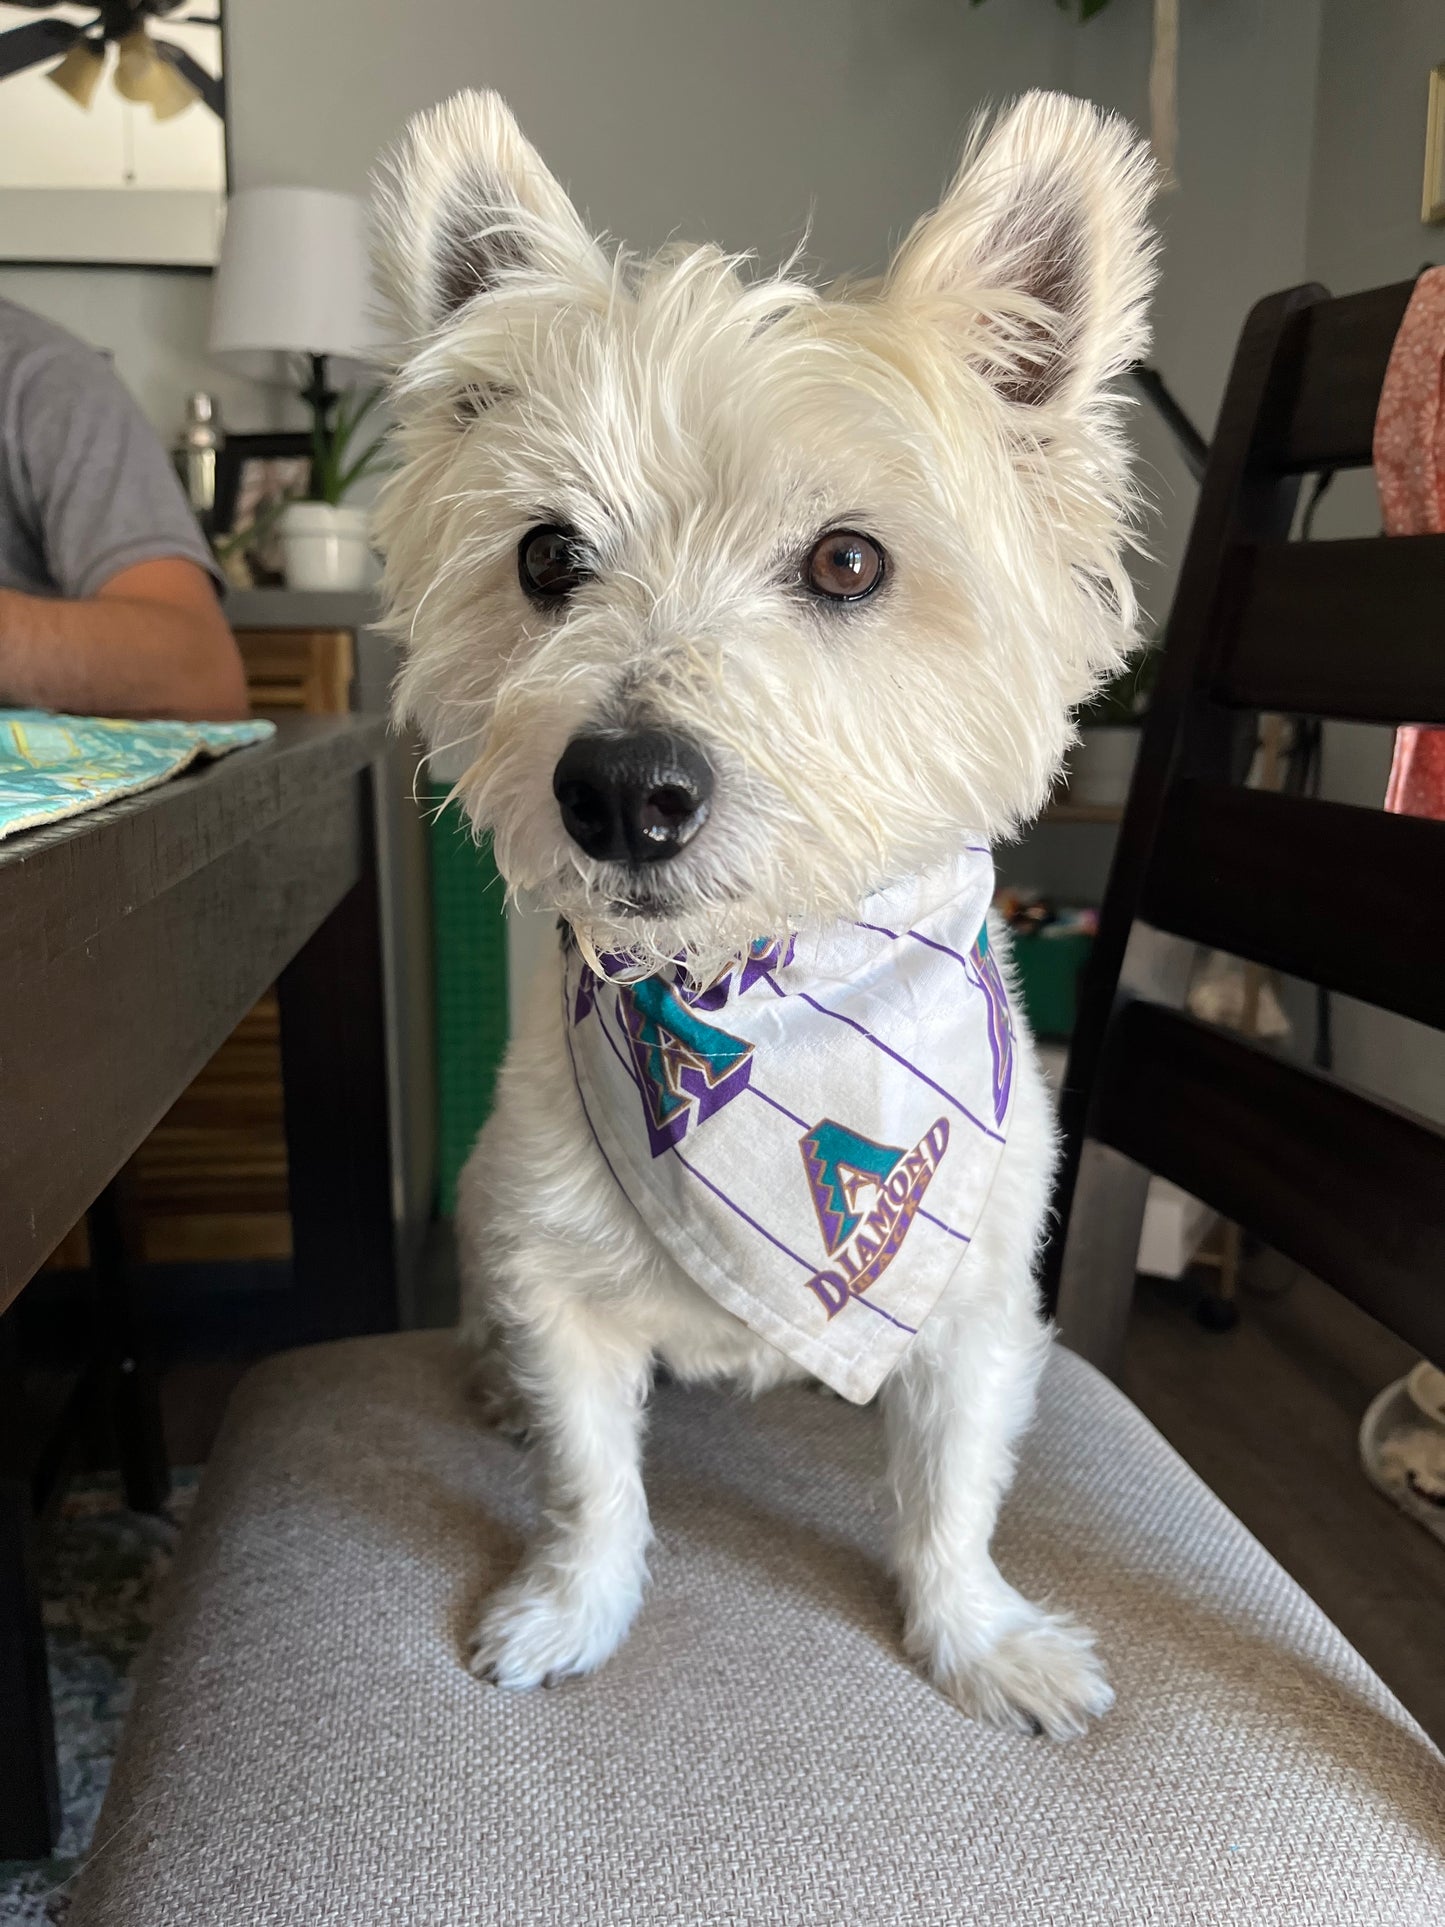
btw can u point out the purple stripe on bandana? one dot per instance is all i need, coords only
(888, 1051)
(962, 1236)
(622, 1057)
(956, 955)
(918, 937)
(791, 1115)
(762, 1230)
(859, 1299)
(577, 1082)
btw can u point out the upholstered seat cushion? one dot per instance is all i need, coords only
(306, 1748)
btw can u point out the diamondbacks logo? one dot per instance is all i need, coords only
(687, 1069)
(866, 1196)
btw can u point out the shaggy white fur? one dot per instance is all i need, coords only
(696, 428)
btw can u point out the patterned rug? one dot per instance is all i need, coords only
(100, 1579)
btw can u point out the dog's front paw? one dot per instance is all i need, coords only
(1039, 1675)
(537, 1633)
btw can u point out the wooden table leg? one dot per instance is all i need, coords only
(130, 1372)
(29, 1786)
(338, 1140)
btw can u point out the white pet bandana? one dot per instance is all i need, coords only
(813, 1137)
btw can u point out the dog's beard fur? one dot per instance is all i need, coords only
(699, 429)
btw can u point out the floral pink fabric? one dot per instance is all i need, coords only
(1410, 473)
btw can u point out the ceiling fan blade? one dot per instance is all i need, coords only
(210, 87)
(38, 40)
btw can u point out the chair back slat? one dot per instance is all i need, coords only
(1352, 1189)
(1342, 629)
(1343, 897)
(1326, 418)
(1323, 891)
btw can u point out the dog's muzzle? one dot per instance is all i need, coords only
(637, 796)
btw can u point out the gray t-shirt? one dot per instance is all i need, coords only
(86, 489)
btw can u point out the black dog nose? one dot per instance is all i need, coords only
(632, 796)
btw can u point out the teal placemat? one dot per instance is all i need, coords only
(55, 766)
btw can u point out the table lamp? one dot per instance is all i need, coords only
(294, 279)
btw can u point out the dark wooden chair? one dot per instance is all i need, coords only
(1346, 898)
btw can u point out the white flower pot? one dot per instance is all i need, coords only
(324, 547)
(1101, 764)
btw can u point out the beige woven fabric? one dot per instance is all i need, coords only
(307, 1749)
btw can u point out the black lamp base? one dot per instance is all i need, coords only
(319, 395)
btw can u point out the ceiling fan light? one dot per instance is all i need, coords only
(78, 74)
(135, 60)
(172, 93)
(144, 75)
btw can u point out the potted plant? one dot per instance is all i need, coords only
(1101, 763)
(323, 540)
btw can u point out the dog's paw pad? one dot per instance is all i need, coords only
(1042, 1678)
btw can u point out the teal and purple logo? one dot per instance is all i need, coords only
(1000, 1026)
(687, 1070)
(866, 1196)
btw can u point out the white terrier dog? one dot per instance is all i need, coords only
(759, 612)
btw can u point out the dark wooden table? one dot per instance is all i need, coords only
(132, 941)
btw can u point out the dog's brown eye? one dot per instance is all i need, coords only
(550, 561)
(844, 566)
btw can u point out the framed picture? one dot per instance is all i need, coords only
(256, 476)
(1432, 204)
(112, 132)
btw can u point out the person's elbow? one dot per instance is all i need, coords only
(212, 688)
(195, 673)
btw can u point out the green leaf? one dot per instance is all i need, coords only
(372, 457)
(1088, 8)
(331, 474)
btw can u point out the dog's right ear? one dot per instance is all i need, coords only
(464, 204)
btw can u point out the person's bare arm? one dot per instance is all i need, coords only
(151, 642)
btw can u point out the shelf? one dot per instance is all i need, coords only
(1066, 812)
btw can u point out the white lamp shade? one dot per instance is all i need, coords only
(293, 278)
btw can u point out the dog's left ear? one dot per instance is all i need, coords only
(1039, 259)
(464, 205)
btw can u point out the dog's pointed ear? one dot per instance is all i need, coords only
(464, 203)
(1039, 257)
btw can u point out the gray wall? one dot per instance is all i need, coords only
(750, 123)
(1233, 224)
(1364, 211)
(729, 121)
(153, 324)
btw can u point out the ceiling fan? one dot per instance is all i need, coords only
(151, 71)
